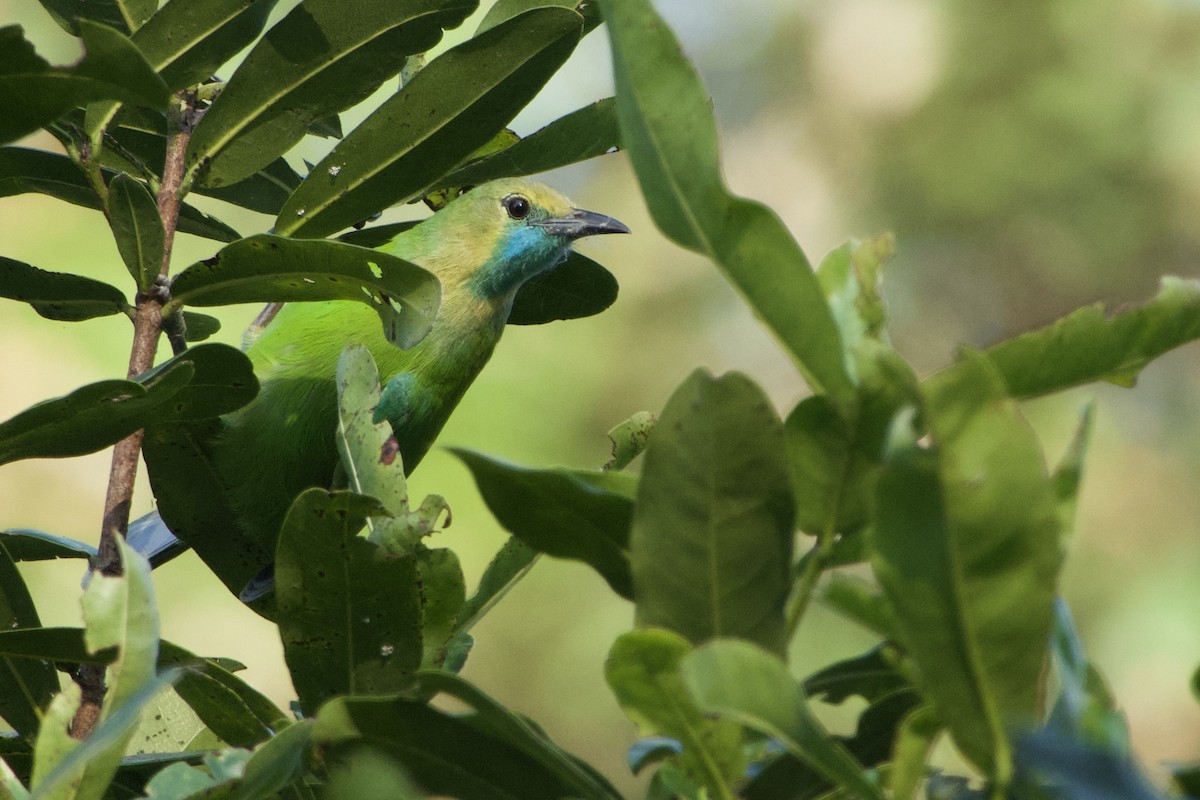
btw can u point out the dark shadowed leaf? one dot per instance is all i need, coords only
(323, 57)
(59, 295)
(187, 40)
(26, 685)
(223, 381)
(199, 326)
(123, 15)
(871, 676)
(29, 545)
(511, 563)
(579, 287)
(746, 683)
(23, 170)
(712, 530)
(559, 512)
(973, 603)
(1077, 771)
(667, 127)
(137, 229)
(589, 132)
(1087, 346)
(265, 268)
(33, 93)
(349, 614)
(451, 108)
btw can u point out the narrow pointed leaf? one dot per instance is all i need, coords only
(349, 615)
(59, 295)
(24, 170)
(451, 108)
(511, 563)
(745, 683)
(29, 545)
(504, 10)
(265, 269)
(33, 93)
(26, 686)
(712, 530)
(643, 670)
(323, 57)
(188, 40)
(973, 603)
(586, 133)
(668, 129)
(1088, 346)
(560, 513)
(238, 714)
(123, 15)
(137, 228)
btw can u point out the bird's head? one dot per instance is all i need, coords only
(508, 231)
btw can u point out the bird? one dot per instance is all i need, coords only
(482, 246)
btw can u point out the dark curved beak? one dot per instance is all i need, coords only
(578, 223)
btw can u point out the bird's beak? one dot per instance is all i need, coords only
(578, 223)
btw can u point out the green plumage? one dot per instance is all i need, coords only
(482, 247)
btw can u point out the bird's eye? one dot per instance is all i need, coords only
(516, 206)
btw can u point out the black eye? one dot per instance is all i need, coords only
(516, 206)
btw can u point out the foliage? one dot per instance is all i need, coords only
(939, 486)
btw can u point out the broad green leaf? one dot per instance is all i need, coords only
(349, 616)
(668, 129)
(366, 774)
(265, 269)
(323, 57)
(192, 501)
(23, 170)
(742, 682)
(443, 594)
(90, 418)
(237, 713)
(913, 744)
(586, 133)
(560, 513)
(972, 602)
(451, 108)
(643, 670)
(223, 381)
(629, 439)
(510, 759)
(198, 327)
(59, 295)
(33, 93)
(504, 10)
(179, 781)
(137, 228)
(123, 15)
(711, 544)
(30, 545)
(1087, 346)
(511, 563)
(274, 764)
(576, 288)
(188, 40)
(26, 686)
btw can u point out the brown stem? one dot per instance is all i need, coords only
(147, 325)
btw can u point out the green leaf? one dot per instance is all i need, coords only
(443, 594)
(1068, 475)
(629, 439)
(849, 277)
(451, 108)
(276, 763)
(860, 601)
(123, 15)
(745, 683)
(366, 774)
(914, 742)
(198, 327)
(668, 129)
(23, 170)
(26, 687)
(192, 501)
(559, 512)
(91, 417)
(511, 563)
(137, 228)
(577, 288)
(348, 614)
(223, 381)
(238, 714)
(1085, 709)
(643, 670)
(1086, 346)
(51, 644)
(973, 601)
(33, 93)
(323, 57)
(188, 40)
(368, 452)
(583, 134)
(712, 529)
(504, 10)
(871, 676)
(29, 545)
(265, 269)
(59, 295)
(11, 787)
(426, 741)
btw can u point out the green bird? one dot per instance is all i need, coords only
(483, 246)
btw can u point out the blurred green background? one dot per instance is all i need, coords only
(1030, 157)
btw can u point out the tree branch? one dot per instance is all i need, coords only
(147, 325)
